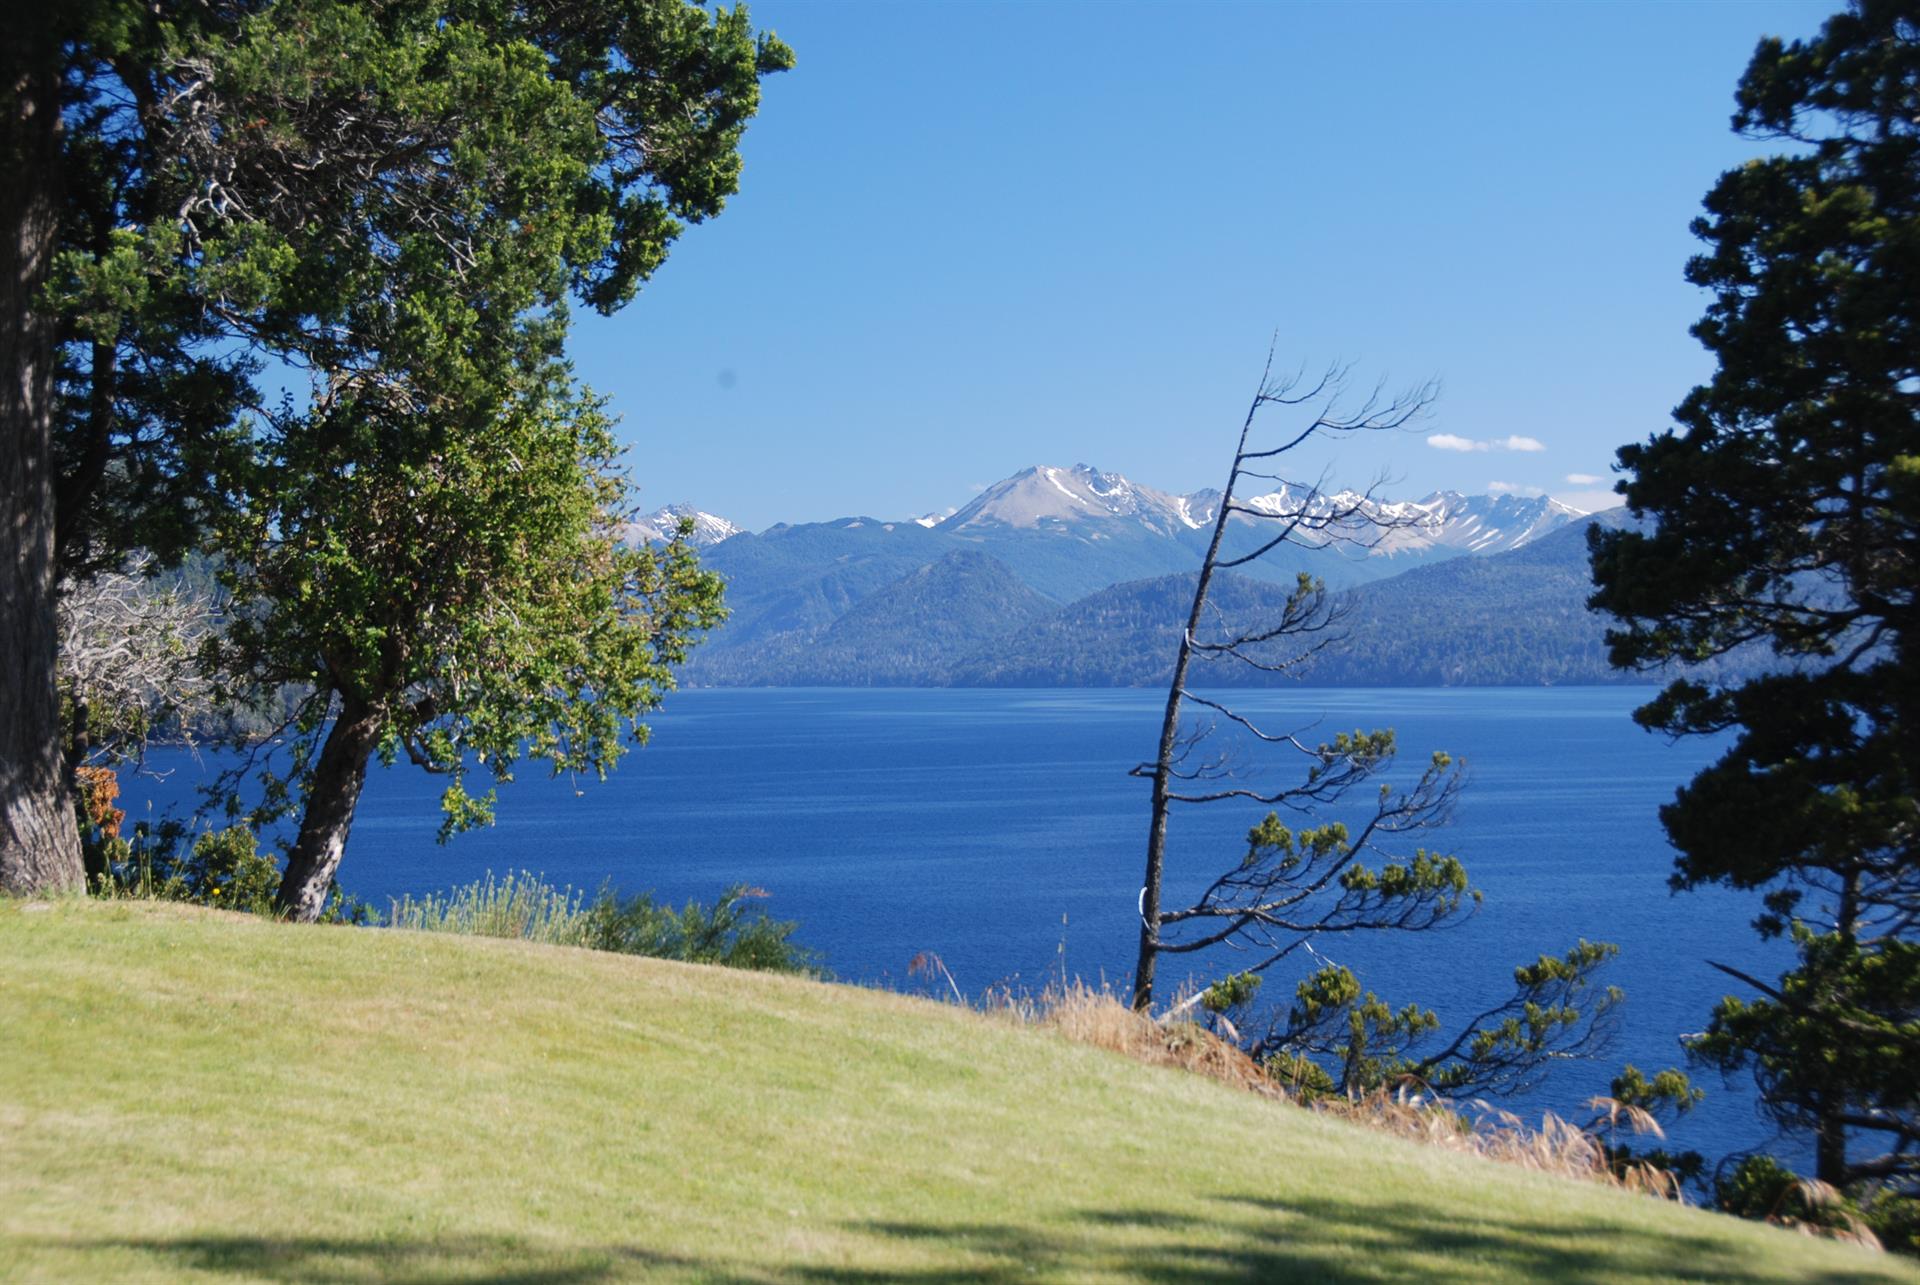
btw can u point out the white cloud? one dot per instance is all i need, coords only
(1585, 479)
(1454, 442)
(1513, 488)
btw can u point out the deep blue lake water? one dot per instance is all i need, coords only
(999, 829)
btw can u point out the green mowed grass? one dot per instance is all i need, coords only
(194, 1095)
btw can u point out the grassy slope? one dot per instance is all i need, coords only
(201, 1095)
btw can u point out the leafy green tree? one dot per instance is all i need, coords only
(1786, 514)
(77, 171)
(430, 544)
(201, 182)
(142, 274)
(453, 592)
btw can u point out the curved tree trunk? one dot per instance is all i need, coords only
(39, 839)
(1149, 951)
(333, 794)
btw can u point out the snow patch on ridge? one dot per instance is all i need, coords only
(1085, 503)
(661, 525)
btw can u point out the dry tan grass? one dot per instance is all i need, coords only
(1097, 1016)
(1556, 1146)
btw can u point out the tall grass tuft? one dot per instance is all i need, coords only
(515, 905)
(1556, 1145)
(1093, 1015)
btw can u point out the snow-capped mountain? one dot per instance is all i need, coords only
(1045, 495)
(1491, 523)
(1097, 505)
(1060, 499)
(661, 525)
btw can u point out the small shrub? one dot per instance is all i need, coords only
(1895, 1219)
(1305, 1078)
(225, 868)
(342, 907)
(1636, 1105)
(140, 865)
(219, 868)
(732, 932)
(95, 791)
(1763, 1189)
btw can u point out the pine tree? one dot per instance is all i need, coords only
(1785, 514)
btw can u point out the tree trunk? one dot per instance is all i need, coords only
(1830, 1150)
(1149, 953)
(333, 794)
(39, 837)
(1830, 1132)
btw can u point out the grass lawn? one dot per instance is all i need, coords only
(194, 1095)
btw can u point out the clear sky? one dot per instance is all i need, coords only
(973, 237)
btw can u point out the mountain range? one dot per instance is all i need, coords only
(1079, 577)
(1086, 501)
(1087, 505)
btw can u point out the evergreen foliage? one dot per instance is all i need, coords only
(1337, 1037)
(1785, 512)
(427, 545)
(907, 633)
(1647, 1105)
(397, 198)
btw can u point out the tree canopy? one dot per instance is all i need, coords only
(204, 187)
(1786, 510)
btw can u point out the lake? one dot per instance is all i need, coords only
(1000, 830)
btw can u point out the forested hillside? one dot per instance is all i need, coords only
(1517, 618)
(1514, 618)
(909, 633)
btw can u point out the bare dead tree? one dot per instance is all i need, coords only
(128, 660)
(1280, 897)
(1336, 865)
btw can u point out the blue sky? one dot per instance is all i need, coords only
(973, 237)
